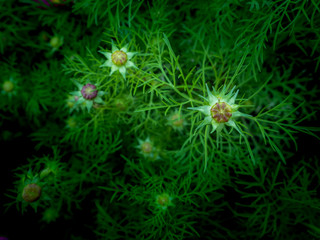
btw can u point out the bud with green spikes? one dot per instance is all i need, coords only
(148, 149)
(164, 201)
(119, 60)
(220, 109)
(177, 121)
(87, 95)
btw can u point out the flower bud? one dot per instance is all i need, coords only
(221, 112)
(50, 215)
(164, 200)
(8, 86)
(31, 192)
(89, 91)
(176, 120)
(146, 147)
(55, 42)
(119, 58)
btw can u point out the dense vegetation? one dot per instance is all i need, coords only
(127, 119)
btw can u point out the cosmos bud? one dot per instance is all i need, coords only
(31, 192)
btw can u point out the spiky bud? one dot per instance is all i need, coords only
(146, 147)
(164, 200)
(176, 120)
(31, 192)
(221, 112)
(119, 58)
(89, 91)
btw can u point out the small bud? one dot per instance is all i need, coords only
(146, 147)
(123, 102)
(155, 42)
(221, 112)
(176, 120)
(55, 42)
(31, 192)
(164, 200)
(50, 215)
(71, 123)
(119, 58)
(71, 101)
(89, 91)
(8, 86)
(120, 104)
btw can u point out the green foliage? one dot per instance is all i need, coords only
(253, 176)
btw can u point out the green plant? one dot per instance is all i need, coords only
(200, 123)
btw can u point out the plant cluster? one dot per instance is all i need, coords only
(162, 119)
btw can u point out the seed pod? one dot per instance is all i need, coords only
(31, 192)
